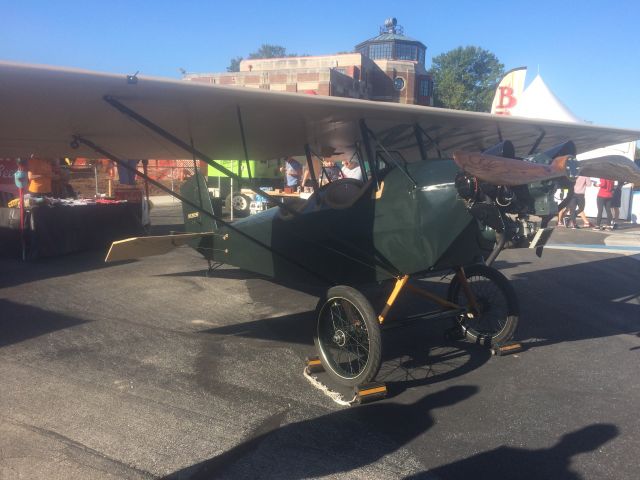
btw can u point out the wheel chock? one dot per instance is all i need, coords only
(506, 349)
(369, 392)
(314, 365)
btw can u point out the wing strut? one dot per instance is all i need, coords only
(364, 131)
(196, 172)
(312, 171)
(403, 168)
(421, 130)
(80, 140)
(421, 147)
(534, 147)
(185, 146)
(244, 143)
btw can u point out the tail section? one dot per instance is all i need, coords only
(196, 221)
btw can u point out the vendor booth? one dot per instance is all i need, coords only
(36, 225)
(67, 227)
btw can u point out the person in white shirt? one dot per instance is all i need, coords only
(351, 169)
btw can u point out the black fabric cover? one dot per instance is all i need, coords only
(59, 230)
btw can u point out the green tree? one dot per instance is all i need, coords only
(466, 78)
(234, 65)
(269, 51)
(265, 51)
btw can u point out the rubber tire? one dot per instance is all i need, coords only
(239, 212)
(364, 308)
(499, 280)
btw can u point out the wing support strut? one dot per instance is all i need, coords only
(185, 146)
(110, 156)
(421, 147)
(534, 147)
(364, 131)
(312, 171)
(402, 168)
(244, 143)
(418, 128)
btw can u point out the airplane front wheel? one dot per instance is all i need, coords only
(495, 319)
(348, 336)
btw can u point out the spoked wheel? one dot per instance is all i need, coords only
(240, 203)
(348, 336)
(497, 317)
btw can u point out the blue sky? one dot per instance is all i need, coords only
(587, 52)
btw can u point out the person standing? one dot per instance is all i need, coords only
(293, 172)
(576, 205)
(331, 171)
(351, 169)
(616, 201)
(605, 196)
(40, 173)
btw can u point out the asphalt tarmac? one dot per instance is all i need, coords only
(152, 369)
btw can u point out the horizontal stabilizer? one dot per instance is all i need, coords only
(138, 247)
(508, 171)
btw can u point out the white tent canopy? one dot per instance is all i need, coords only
(538, 101)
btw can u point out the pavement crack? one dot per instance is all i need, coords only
(99, 458)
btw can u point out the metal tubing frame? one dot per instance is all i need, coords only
(361, 162)
(403, 168)
(185, 146)
(244, 143)
(502, 240)
(402, 282)
(364, 132)
(462, 278)
(421, 130)
(537, 142)
(230, 226)
(432, 296)
(421, 147)
(312, 171)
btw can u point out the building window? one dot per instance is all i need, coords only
(421, 56)
(380, 51)
(398, 83)
(406, 52)
(425, 87)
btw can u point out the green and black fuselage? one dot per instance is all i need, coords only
(406, 224)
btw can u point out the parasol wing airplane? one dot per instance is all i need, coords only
(441, 190)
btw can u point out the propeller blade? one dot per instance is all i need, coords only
(508, 171)
(613, 167)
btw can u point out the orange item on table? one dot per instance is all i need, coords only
(40, 175)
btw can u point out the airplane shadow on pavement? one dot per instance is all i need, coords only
(330, 444)
(16, 272)
(509, 462)
(22, 322)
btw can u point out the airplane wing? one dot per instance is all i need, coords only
(42, 108)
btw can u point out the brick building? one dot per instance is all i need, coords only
(389, 67)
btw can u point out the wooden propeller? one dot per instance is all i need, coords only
(508, 171)
(613, 167)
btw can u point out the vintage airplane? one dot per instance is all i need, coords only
(416, 211)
